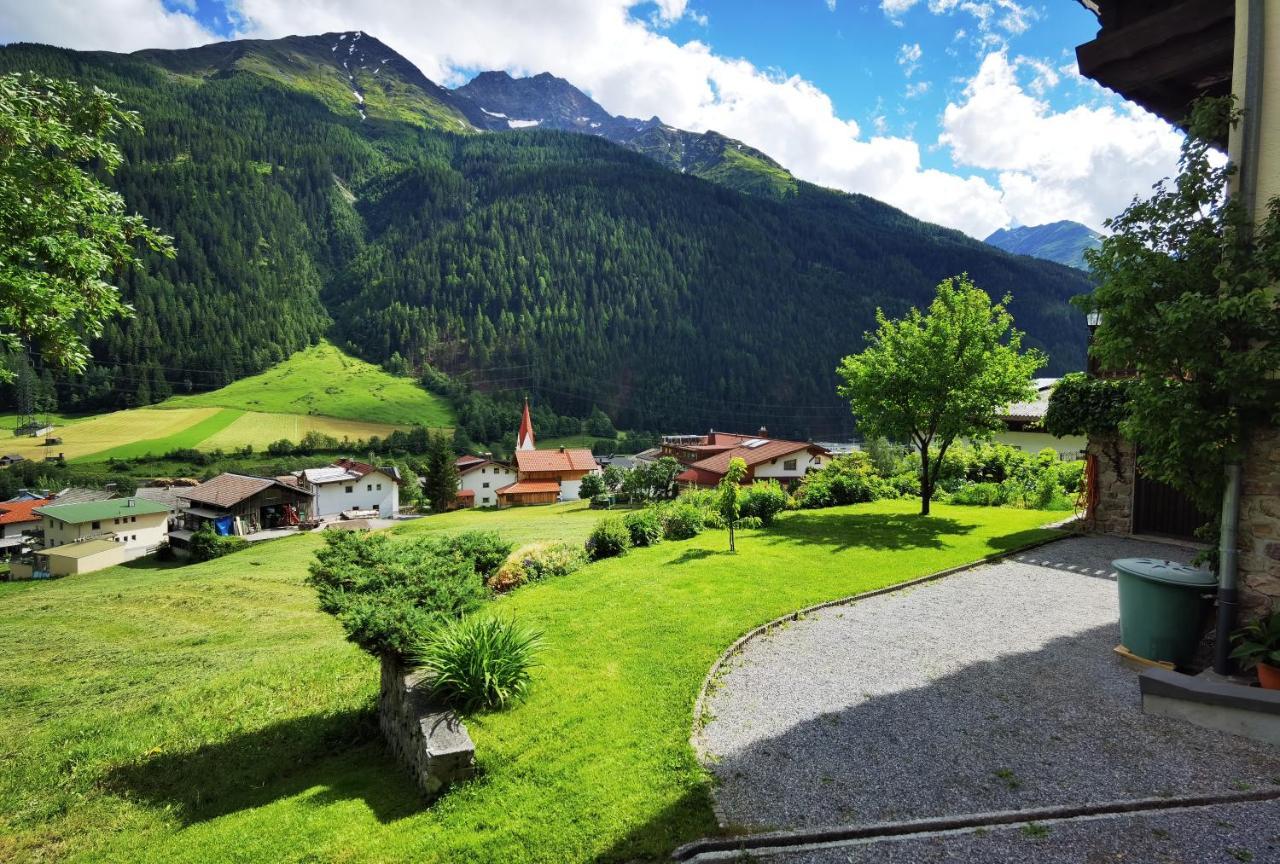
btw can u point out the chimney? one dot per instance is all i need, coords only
(763, 433)
(562, 449)
(129, 502)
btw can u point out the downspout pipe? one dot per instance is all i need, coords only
(1228, 556)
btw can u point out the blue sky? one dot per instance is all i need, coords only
(968, 113)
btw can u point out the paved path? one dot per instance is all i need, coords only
(993, 689)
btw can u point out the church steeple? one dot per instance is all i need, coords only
(524, 438)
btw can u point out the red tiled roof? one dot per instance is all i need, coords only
(358, 468)
(567, 459)
(467, 459)
(465, 493)
(523, 486)
(471, 466)
(719, 463)
(20, 511)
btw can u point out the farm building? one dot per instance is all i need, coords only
(347, 485)
(545, 476)
(239, 504)
(82, 556)
(139, 526)
(480, 478)
(17, 521)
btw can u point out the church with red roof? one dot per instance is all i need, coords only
(545, 476)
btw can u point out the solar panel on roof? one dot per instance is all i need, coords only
(753, 443)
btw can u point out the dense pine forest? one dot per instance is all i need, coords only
(528, 261)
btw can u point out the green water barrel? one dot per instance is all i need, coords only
(1162, 607)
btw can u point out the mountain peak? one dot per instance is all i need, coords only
(1063, 241)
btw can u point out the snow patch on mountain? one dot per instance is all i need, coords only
(520, 124)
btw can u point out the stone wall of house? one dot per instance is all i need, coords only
(429, 740)
(1116, 469)
(1260, 525)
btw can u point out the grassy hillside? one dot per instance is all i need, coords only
(319, 389)
(323, 380)
(209, 713)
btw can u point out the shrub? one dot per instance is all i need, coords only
(386, 592)
(644, 526)
(478, 662)
(591, 486)
(979, 495)
(764, 501)
(748, 522)
(535, 562)
(848, 479)
(206, 545)
(610, 537)
(682, 520)
(715, 520)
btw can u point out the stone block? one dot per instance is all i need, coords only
(425, 737)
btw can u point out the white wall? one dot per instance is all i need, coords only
(777, 470)
(491, 473)
(1031, 443)
(374, 491)
(139, 534)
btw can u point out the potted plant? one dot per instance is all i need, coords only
(1258, 644)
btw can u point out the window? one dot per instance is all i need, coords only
(133, 518)
(484, 500)
(817, 460)
(379, 487)
(350, 489)
(115, 521)
(482, 470)
(96, 526)
(789, 465)
(486, 485)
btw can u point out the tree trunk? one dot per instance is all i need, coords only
(731, 549)
(926, 490)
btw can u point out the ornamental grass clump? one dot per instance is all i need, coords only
(535, 562)
(478, 662)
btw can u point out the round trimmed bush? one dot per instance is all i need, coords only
(644, 526)
(681, 521)
(764, 501)
(610, 537)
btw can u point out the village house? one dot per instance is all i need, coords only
(479, 479)
(545, 476)
(1024, 426)
(706, 457)
(18, 520)
(140, 527)
(241, 504)
(349, 486)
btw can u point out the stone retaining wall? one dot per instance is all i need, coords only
(1116, 460)
(429, 740)
(1260, 525)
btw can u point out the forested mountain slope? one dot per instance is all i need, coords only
(545, 261)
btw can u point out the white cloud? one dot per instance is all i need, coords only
(699, 18)
(831, 5)
(115, 25)
(1083, 163)
(909, 58)
(895, 8)
(918, 88)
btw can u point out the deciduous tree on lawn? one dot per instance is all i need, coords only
(440, 478)
(730, 492)
(61, 229)
(932, 377)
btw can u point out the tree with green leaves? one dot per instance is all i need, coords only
(440, 473)
(64, 231)
(731, 495)
(1186, 288)
(932, 377)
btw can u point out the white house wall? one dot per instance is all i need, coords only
(1068, 447)
(140, 533)
(494, 475)
(776, 469)
(374, 491)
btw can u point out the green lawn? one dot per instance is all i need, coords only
(570, 522)
(209, 713)
(323, 380)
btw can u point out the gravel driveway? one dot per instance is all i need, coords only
(992, 689)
